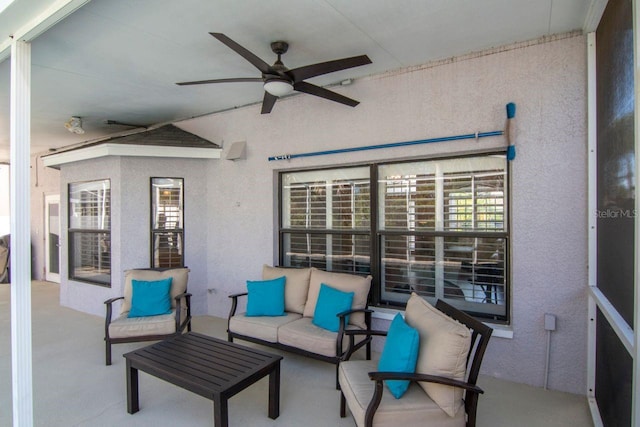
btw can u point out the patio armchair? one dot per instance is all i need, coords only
(155, 306)
(448, 347)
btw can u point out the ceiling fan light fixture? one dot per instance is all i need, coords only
(278, 87)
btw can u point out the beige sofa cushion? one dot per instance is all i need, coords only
(296, 286)
(305, 335)
(178, 284)
(415, 408)
(125, 327)
(444, 346)
(262, 327)
(345, 282)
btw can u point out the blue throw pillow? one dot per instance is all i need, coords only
(331, 301)
(150, 298)
(266, 297)
(400, 354)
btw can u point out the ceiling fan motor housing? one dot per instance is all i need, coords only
(279, 47)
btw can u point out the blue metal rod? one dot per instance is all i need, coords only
(389, 145)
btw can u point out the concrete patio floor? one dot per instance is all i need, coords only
(73, 387)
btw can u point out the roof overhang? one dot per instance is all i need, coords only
(129, 150)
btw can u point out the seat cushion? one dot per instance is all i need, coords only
(415, 408)
(444, 346)
(344, 282)
(296, 285)
(127, 327)
(178, 284)
(303, 334)
(261, 327)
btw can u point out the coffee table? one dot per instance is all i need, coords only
(210, 367)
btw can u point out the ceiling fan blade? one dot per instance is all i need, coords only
(236, 80)
(324, 93)
(253, 59)
(267, 102)
(302, 73)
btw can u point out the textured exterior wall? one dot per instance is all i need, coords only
(130, 224)
(135, 252)
(79, 295)
(547, 81)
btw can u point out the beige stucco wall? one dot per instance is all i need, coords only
(547, 81)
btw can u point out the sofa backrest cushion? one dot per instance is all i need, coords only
(344, 282)
(296, 285)
(444, 346)
(178, 284)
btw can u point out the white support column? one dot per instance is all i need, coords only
(20, 124)
(592, 232)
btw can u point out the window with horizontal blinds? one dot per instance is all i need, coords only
(90, 232)
(443, 232)
(434, 227)
(325, 219)
(167, 217)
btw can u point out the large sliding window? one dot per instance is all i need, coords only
(167, 218)
(434, 227)
(90, 232)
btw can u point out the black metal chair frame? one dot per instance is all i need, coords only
(480, 334)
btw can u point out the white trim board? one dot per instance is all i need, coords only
(104, 150)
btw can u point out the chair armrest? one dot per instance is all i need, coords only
(355, 310)
(382, 376)
(107, 319)
(355, 332)
(234, 302)
(241, 294)
(184, 295)
(352, 333)
(234, 305)
(181, 325)
(112, 300)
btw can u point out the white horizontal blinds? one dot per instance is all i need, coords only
(443, 231)
(89, 231)
(326, 219)
(90, 205)
(167, 206)
(350, 210)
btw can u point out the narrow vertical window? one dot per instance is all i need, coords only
(167, 222)
(90, 232)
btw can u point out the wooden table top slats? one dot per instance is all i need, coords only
(202, 364)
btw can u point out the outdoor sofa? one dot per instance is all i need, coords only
(309, 297)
